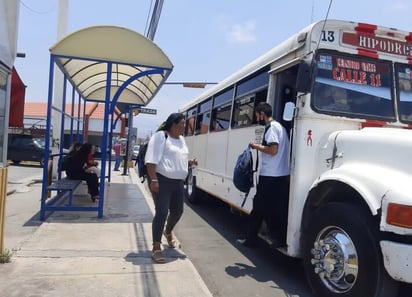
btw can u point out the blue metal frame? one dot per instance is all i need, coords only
(49, 205)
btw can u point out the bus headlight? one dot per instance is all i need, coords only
(399, 215)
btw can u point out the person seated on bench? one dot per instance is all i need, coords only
(72, 149)
(91, 165)
(76, 166)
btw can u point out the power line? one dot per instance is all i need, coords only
(324, 22)
(148, 16)
(37, 11)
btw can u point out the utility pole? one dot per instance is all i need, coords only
(58, 76)
(154, 21)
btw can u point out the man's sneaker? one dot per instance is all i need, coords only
(246, 242)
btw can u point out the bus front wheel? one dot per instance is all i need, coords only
(342, 254)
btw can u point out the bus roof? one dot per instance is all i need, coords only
(380, 42)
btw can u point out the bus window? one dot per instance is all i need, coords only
(221, 117)
(329, 98)
(190, 126)
(190, 122)
(243, 114)
(202, 123)
(252, 84)
(221, 111)
(404, 87)
(261, 96)
(353, 86)
(203, 118)
(223, 98)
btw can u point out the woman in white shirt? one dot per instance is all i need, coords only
(167, 164)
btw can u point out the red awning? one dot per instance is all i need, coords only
(18, 91)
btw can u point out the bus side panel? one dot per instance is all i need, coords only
(238, 140)
(211, 176)
(199, 146)
(309, 161)
(189, 142)
(217, 150)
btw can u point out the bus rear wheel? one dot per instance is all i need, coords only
(342, 254)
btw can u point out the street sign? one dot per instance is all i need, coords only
(147, 110)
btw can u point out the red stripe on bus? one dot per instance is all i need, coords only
(372, 123)
(366, 28)
(368, 53)
(408, 38)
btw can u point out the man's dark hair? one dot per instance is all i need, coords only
(265, 108)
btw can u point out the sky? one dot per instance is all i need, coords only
(205, 40)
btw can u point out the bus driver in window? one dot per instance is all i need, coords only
(331, 98)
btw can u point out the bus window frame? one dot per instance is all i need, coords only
(204, 109)
(251, 100)
(250, 79)
(404, 118)
(216, 108)
(252, 93)
(214, 118)
(189, 117)
(349, 114)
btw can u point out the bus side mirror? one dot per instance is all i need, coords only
(288, 111)
(304, 76)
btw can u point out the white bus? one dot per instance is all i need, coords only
(343, 90)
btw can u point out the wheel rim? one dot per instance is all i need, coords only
(335, 259)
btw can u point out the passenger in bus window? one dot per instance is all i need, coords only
(167, 166)
(405, 106)
(270, 203)
(331, 99)
(190, 126)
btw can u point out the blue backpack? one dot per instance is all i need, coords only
(141, 166)
(243, 172)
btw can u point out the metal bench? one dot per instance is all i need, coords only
(65, 188)
(64, 192)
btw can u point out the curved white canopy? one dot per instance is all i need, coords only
(85, 55)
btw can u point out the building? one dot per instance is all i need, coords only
(35, 114)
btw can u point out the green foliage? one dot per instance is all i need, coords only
(5, 256)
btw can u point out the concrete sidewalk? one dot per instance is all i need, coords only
(76, 254)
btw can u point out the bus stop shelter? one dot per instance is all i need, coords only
(106, 64)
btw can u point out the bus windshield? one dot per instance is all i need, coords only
(404, 87)
(352, 86)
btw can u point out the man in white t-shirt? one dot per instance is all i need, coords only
(272, 194)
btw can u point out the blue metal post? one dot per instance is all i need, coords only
(47, 142)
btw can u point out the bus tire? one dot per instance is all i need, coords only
(192, 193)
(342, 256)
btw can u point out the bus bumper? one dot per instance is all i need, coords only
(397, 260)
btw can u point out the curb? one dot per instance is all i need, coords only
(23, 184)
